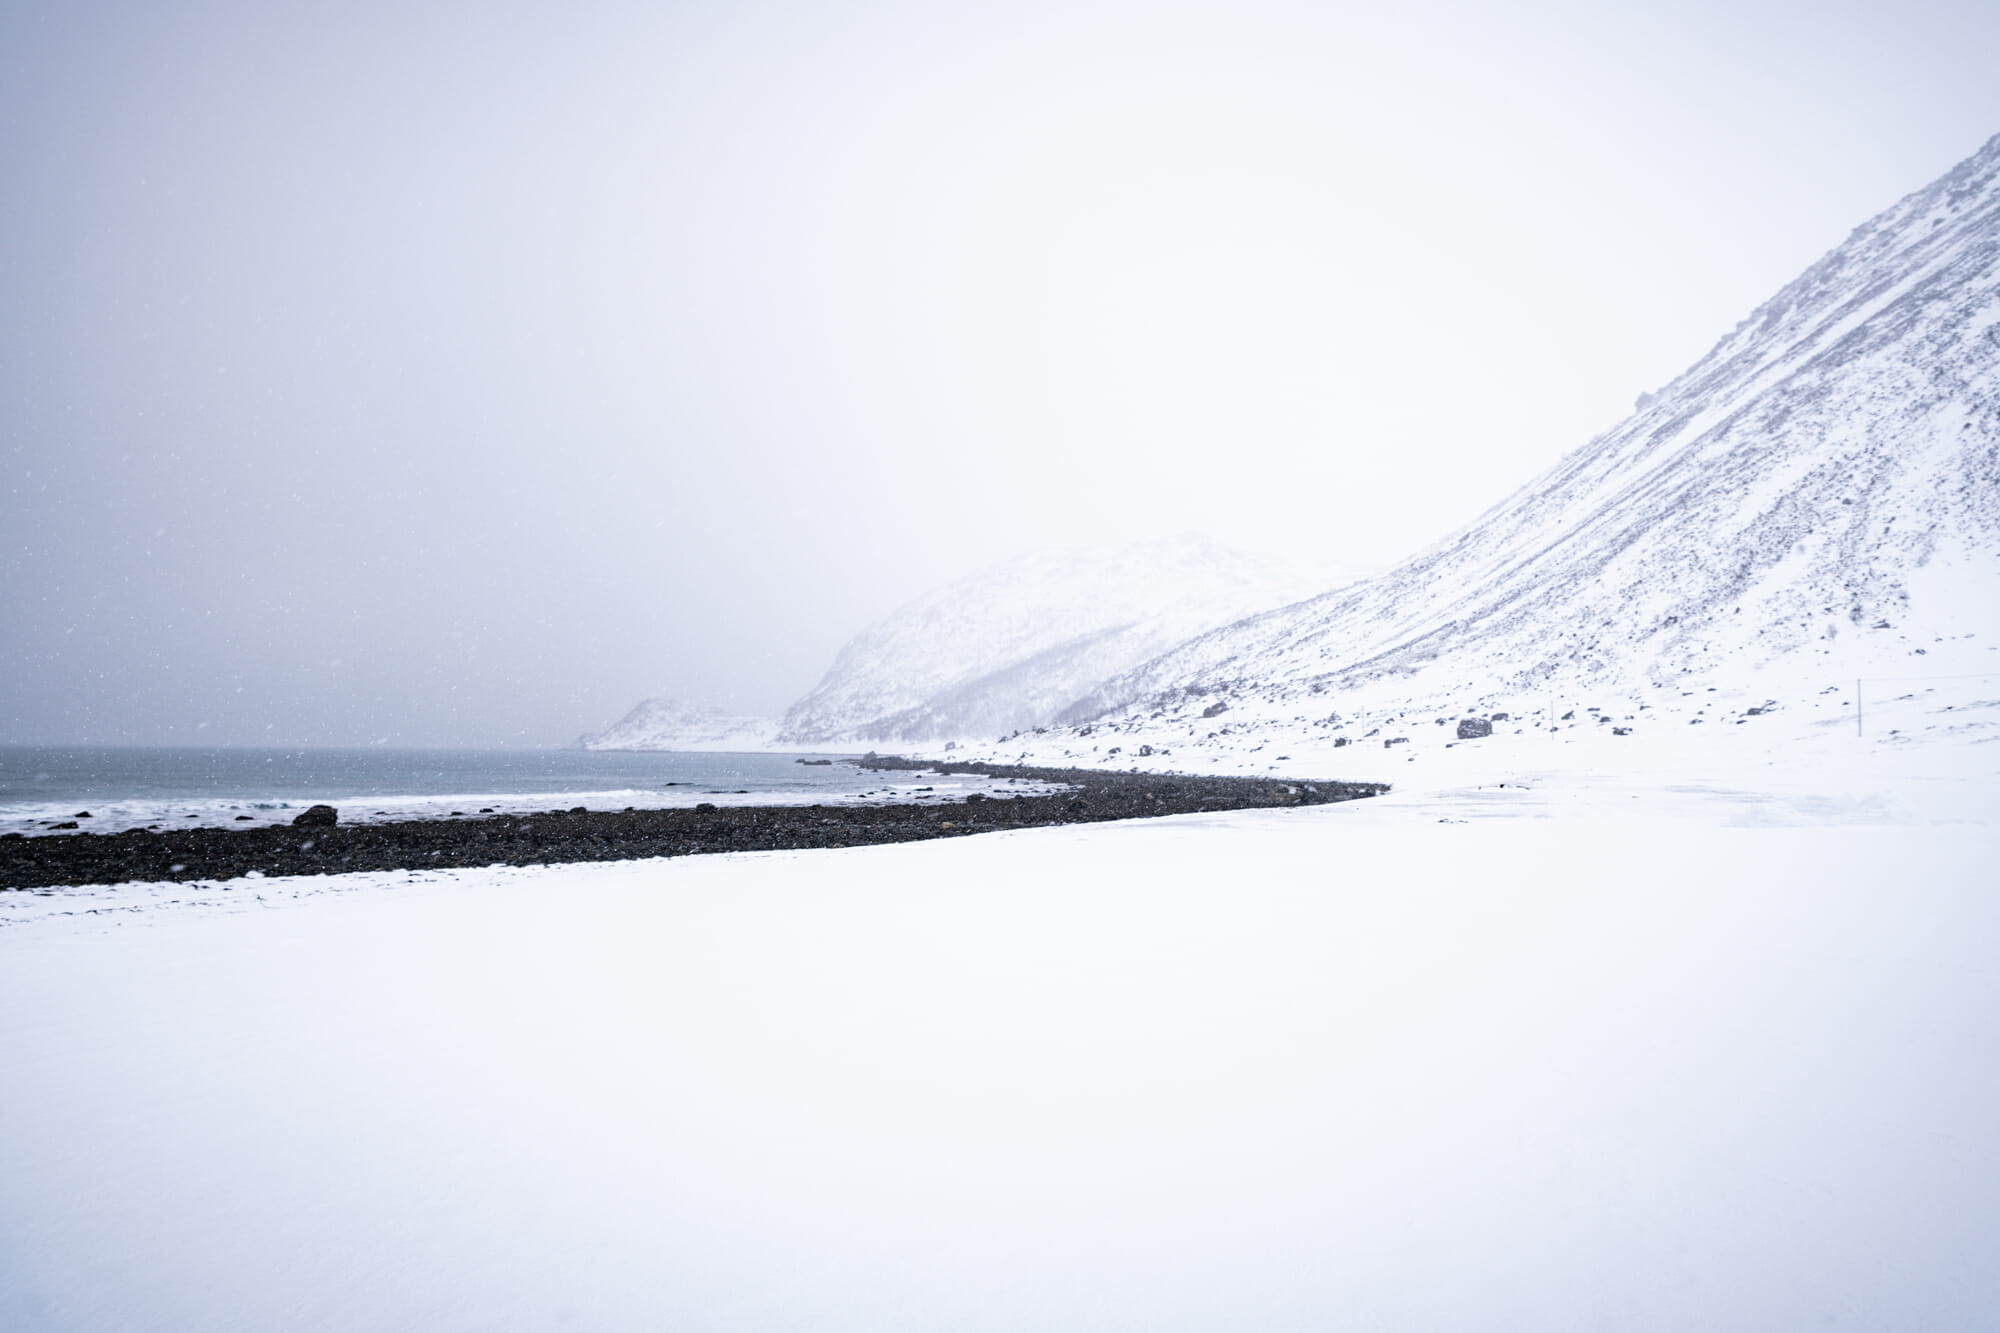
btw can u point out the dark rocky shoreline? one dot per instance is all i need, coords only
(624, 835)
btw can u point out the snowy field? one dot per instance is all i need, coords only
(1514, 1047)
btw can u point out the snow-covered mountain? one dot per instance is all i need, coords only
(1818, 497)
(670, 724)
(1012, 647)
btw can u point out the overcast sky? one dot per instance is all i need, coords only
(463, 374)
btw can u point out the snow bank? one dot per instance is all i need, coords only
(1584, 1066)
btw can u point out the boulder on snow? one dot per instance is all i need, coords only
(319, 816)
(1472, 728)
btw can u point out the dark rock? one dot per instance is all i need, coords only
(82, 814)
(1472, 728)
(319, 816)
(1502, 717)
(553, 837)
(1621, 731)
(1215, 709)
(1339, 741)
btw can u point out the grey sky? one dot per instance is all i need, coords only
(461, 374)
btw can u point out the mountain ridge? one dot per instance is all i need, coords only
(676, 724)
(1011, 646)
(1873, 373)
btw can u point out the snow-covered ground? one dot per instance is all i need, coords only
(1624, 1043)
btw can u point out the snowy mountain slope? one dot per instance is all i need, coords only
(670, 724)
(1820, 493)
(1011, 647)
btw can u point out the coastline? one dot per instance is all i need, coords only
(581, 834)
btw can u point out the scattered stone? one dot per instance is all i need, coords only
(551, 837)
(318, 816)
(1621, 731)
(1472, 728)
(1502, 717)
(1215, 709)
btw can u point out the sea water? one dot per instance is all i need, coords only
(108, 788)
